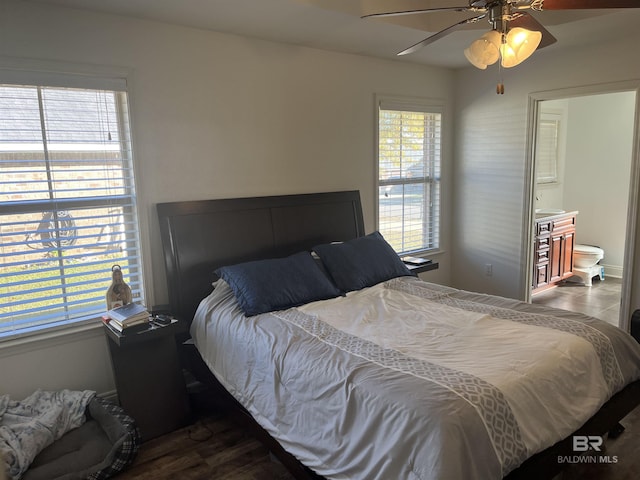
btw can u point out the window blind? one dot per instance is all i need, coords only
(547, 148)
(67, 204)
(409, 144)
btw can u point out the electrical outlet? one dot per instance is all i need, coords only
(488, 270)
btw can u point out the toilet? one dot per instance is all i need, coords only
(585, 263)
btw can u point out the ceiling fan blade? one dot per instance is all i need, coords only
(586, 4)
(422, 10)
(527, 21)
(440, 34)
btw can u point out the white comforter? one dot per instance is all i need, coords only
(410, 380)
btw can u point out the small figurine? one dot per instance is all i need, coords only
(119, 293)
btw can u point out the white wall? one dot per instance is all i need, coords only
(77, 361)
(491, 153)
(598, 166)
(215, 116)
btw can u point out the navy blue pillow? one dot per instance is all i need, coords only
(277, 284)
(361, 262)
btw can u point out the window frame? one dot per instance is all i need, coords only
(421, 105)
(554, 120)
(58, 75)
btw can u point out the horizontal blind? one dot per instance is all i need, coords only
(547, 148)
(67, 204)
(409, 153)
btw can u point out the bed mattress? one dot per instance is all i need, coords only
(413, 380)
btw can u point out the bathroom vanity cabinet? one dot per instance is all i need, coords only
(553, 251)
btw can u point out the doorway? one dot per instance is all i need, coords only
(583, 153)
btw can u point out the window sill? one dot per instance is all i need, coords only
(423, 253)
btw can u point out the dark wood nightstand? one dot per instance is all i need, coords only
(149, 379)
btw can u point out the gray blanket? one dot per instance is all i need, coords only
(30, 425)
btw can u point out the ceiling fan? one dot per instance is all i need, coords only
(514, 34)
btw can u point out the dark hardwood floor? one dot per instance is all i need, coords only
(211, 448)
(624, 449)
(216, 448)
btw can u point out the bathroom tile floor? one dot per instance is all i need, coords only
(601, 300)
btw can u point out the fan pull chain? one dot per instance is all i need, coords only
(500, 85)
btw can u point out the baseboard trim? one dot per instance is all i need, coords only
(110, 396)
(613, 271)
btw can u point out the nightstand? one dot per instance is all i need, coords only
(149, 378)
(426, 267)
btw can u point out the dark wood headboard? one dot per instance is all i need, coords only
(200, 236)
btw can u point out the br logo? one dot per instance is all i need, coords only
(582, 443)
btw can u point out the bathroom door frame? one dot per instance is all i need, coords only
(630, 295)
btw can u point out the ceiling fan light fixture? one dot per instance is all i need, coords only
(473, 60)
(513, 46)
(519, 45)
(484, 51)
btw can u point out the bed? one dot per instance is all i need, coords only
(362, 378)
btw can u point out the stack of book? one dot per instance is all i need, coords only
(126, 318)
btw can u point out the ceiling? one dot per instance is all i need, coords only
(336, 24)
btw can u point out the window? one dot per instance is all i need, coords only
(409, 139)
(67, 204)
(547, 143)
